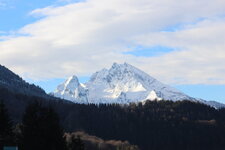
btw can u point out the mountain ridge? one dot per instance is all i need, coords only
(123, 83)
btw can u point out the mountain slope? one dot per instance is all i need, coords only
(126, 83)
(16, 84)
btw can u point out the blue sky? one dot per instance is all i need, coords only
(141, 51)
(207, 92)
(181, 47)
(16, 13)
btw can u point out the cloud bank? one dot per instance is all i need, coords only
(86, 36)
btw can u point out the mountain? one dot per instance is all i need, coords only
(72, 90)
(16, 84)
(122, 83)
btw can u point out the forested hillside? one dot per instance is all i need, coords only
(16, 84)
(155, 125)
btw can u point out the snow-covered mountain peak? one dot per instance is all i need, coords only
(72, 82)
(69, 85)
(72, 90)
(122, 83)
(120, 72)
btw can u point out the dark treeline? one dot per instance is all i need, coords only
(157, 125)
(40, 130)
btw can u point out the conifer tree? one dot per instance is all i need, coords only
(6, 135)
(41, 129)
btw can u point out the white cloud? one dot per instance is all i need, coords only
(201, 57)
(83, 37)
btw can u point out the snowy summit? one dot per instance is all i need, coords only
(122, 83)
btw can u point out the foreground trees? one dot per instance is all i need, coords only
(6, 135)
(41, 129)
(156, 125)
